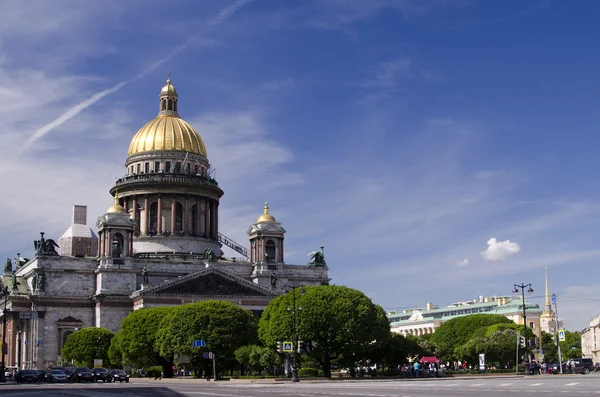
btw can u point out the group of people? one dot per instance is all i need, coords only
(416, 370)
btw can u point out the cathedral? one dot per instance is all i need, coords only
(158, 244)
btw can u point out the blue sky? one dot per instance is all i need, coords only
(401, 135)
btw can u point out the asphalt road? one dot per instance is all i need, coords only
(547, 385)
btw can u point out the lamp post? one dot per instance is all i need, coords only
(4, 293)
(295, 310)
(516, 291)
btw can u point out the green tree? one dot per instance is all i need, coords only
(549, 348)
(451, 337)
(136, 341)
(87, 344)
(223, 325)
(341, 322)
(571, 346)
(395, 350)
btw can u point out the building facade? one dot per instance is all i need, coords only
(158, 244)
(590, 339)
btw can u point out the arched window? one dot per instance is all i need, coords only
(117, 245)
(65, 336)
(178, 217)
(170, 104)
(194, 211)
(270, 251)
(153, 218)
(175, 105)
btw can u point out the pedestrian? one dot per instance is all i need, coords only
(417, 367)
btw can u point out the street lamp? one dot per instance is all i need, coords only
(295, 310)
(4, 293)
(516, 291)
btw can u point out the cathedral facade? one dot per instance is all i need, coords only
(158, 244)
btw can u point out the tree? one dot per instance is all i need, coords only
(136, 341)
(452, 335)
(88, 344)
(340, 322)
(549, 348)
(395, 350)
(258, 358)
(571, 346)
(222, 325)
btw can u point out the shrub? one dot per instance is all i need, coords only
(308, 372)
(154, 372)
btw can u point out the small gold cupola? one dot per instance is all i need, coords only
(116, 208)
(266, 217)
(168, 99)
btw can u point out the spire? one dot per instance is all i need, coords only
(548, 306)
(266, 207)
(266, 217)
(168, 99)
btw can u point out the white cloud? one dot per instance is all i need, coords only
(463, 262)
(500, 250)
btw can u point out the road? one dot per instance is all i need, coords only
(547, 385)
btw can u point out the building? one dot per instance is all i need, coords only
(426, 321)
(158, 244)
(590, 339)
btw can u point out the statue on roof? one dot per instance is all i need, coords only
(45, 247)
(41, 281)
(14, 281)
(209, 254)
(317, 258)
(273, 280)
(8, 265)
(145, 276)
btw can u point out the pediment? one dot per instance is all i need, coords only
(211, 281)
(68, 319)
(270, 227)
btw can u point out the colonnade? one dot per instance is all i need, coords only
(415, 331)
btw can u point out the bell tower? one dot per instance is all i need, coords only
(266, 239)
(116, 232)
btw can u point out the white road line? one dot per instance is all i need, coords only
(478, 384)
(536, 384)
(572, 384)
(504, 384)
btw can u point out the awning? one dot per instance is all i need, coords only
(429, 359)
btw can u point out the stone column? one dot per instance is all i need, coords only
(136, 221)
(146, 216)
(100, 243)
(173, 212)
(281, 251)
(217, 220)
(213, 219)
(186, 216)
(159, 225)
(207, 218)
(198, 216)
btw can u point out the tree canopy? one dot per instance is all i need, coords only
(222, 325)
(450, 338)
(340, 322)
(86, 345)
(135, 343)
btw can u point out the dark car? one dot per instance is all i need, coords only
(81, 374)
(56, 375)
(118, 375)
(100, 374)
(26, 375)
(582, 365)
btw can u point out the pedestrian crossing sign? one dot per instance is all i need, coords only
(287, 347)
(561, 335)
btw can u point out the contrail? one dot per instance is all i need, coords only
(80, 107)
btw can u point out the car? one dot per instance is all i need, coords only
(26, 375)
(582, 365)
(100, 374)
(81, 374)
(56, 375)
(118, 375)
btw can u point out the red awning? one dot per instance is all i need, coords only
(429, 359)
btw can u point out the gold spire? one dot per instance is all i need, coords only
(266, 217)
(548, 304)
(168, 89)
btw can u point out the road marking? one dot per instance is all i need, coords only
(536, 384)
(478, 384)
(504, 384)
(572, 384)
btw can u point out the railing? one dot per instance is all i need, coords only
(167, 177)
(233, 245)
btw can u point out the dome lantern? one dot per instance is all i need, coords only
(168, 99)
(266, 217)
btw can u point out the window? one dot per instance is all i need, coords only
(270, 251)
(147, 168)
(167, 166)
(178, 166)
(178, 217)
(194, 218)
(153, 217)
(156, 166)
(139, 168)
(531, 325)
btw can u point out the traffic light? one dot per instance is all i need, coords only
(522, 341)
(279, 347)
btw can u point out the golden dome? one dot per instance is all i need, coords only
(168, 89)
(116, 208)
(167, 133)
(266, 217)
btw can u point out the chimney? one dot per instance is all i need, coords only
(429, 305)
(79, 215)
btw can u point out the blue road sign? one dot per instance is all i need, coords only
(554, 300)
(199, 343)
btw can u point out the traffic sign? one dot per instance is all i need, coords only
(482, 362)
(561, 335)
(199, 343)
(205, 355)
(553, 299)
(287, 347)
(210, 355)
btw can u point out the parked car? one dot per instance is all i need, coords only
(81, 374)
(26, 375)
(118, 375)
(582, 365)
(56, 375)
(100, 374)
